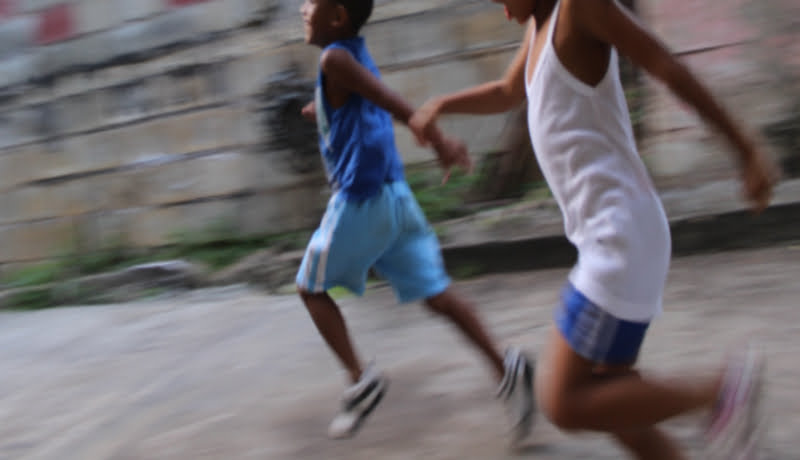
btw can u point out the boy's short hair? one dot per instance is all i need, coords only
(358, 11)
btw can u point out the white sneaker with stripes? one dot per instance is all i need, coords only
(358, 402)
(737, 423)
(517, 392)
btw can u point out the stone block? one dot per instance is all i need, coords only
(162, 30)
(79, 112)
(99, 151)
(119, 190)
(246, 75)
(201, 131)
(16, 35)
(387, 10)
(138, 9)
(273, 170)
(21, 165)
(160, 226)
(206, 130)
(284, 210)
(7, 9)
(55, 23)
(25, 124)
(105, 229)
(686, 157)
(28, 6)
(96, 15)
(197, 178)
(17, 69)
(687, 25)
(36, 240)
(88, 50)
(45, 201)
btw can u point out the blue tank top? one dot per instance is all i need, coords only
(357, 139)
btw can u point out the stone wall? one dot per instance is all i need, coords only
(128, 121)
(748, 53)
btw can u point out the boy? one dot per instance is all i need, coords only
(581, 132)
(372, 218)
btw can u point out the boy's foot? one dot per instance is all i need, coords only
(516, 391)
(736, 423)
(358, 402)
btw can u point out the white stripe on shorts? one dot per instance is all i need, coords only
(328, 231)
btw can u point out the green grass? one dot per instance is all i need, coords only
(34, 275)
(441, 201)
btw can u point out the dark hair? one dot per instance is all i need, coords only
(358, 11)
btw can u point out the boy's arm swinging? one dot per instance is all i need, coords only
(345, 75)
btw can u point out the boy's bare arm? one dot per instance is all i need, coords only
(606, 21)
(343, 71)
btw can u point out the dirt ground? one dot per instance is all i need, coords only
(233, 374)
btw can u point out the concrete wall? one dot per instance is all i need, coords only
(131, 120)
(748, 53)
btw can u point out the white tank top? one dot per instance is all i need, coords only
(584, 144)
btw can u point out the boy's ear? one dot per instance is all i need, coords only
(341, 18)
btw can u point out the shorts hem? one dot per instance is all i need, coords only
(424, 294)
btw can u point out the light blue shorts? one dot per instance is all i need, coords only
(388, 232)
(596, 334)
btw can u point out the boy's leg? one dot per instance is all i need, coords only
(339, 254)
(462, 314)
(514, 373)
(331, 325)
(413, 265)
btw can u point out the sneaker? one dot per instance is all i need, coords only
(516, 392)
(358, 402)
(736, 423)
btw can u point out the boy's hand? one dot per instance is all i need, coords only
(759, 176)
(309, 112)
(423, 121)
(452, 152)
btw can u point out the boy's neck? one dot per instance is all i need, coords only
(340, 37)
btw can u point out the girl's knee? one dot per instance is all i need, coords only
(557, 402)
(561, 411)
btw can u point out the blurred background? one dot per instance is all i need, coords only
(136, 130)
(153, 160)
